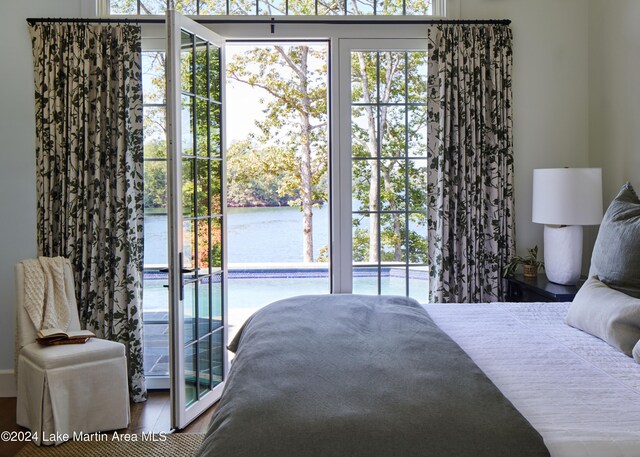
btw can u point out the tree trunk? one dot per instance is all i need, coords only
(372, 147)
(395, 217)
(305, 159)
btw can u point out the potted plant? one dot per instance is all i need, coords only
(530, 264)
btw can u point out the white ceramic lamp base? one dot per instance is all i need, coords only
(563, 253)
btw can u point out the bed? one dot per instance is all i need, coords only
(566, 393)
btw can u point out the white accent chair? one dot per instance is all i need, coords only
(67, 389)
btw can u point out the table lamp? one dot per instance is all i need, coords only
(565, 199)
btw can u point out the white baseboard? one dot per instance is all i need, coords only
(7, 383)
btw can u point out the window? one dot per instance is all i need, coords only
(388, 149)
(282, 7)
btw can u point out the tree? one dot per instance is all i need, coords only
(296, 114)
(380, 131)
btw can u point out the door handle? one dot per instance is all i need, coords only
(182, 272)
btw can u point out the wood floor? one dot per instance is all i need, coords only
(150, 416)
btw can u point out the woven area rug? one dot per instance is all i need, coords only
(174, 445)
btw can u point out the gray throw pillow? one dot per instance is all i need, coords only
(616, 254)
(606, 313)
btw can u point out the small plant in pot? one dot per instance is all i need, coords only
(530, 264)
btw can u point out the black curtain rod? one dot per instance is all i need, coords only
(279, 21)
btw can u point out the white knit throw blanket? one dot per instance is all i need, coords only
(45, 294)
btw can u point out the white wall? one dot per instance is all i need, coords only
(614, 92)
(17, 151)
(550, 92)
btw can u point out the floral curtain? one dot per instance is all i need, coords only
(90, 172)
(470, 155)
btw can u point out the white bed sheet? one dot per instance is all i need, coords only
(581, 395)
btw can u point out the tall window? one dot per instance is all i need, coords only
(282, 7)
(388, 148)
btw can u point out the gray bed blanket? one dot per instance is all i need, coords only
(352, 375)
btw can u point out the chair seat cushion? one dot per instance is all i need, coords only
(62, 355)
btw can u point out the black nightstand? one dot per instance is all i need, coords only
(521, 289)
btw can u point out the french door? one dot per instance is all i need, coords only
(382, 166)
(196, 217)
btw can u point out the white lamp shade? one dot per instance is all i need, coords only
(567, 196)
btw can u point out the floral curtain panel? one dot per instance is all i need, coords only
(90, 172)
(470, 173)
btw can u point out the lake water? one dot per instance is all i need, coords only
(259, 235)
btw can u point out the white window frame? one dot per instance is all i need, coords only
(449, 9)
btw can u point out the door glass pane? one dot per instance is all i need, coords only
(216, 186)
(202, 134)
(214, 131)
(365, 280)
(391, 75)
(202, 57)
(392, 237)
(188, 167)
(202, 196)
(216, 301)
(393, 125)
(186, 62)
(394, 281)
(392, 185)
(364, 247)
(364, 174)
(189, 307)
(417, 170)
(418, 248)
(187, 125)
(364, 84)
(204, 315)
(214, 73)
(188, 248)
(217, 349)
(191, 388)
(204, 254)
(364, 131)
(215, 259)
(419, 283)
(417, 135)
(204, 365)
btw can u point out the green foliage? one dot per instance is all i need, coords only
(256, 176)
(275, 7)
(530, 259)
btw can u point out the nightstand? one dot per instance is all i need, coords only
(540, 289)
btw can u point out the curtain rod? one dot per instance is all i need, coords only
(278, 21)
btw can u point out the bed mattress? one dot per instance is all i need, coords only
(581, 395)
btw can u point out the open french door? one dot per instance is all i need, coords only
(197, 221)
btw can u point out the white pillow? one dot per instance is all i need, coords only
(636, 352)
(608, 314)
